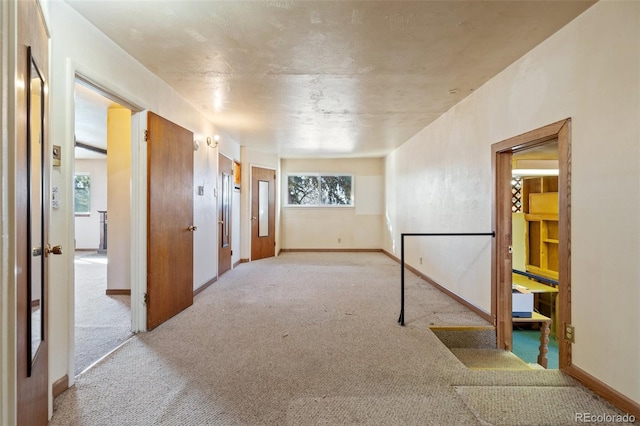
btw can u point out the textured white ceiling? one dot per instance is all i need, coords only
(326, 78)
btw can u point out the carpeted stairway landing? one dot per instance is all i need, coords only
(489, 359)
(475, 347)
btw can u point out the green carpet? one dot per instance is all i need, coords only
(526, 345)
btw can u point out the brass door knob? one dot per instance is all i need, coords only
(192, 228)
(52, 250)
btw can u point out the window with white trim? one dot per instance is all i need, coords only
(321, 190)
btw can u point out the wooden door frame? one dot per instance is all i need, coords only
(219, 209)
(501, 153)
(275, 202)
(8, 280)
(138, 150)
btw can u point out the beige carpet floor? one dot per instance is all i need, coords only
(308, 339)
(495, 405)
(102, 322)
(493, 359)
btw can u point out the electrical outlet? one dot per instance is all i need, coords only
(421, 260)
(569, 333)
(339, 240)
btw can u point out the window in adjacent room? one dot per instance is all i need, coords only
(82, 194)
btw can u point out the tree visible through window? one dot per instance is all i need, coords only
(82, 194)
(320, 190)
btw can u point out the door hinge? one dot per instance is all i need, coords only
(146, 298)
(231, 252)
(146, 135)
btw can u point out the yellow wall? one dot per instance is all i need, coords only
(518, 241)
(119, 197)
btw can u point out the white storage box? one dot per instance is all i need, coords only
(522, 304)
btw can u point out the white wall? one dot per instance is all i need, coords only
(205, 256)
(358, 227)
(440, 180)
(77, 47)
(205, 213)
(87, 228)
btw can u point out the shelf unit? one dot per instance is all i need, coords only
(540, 205)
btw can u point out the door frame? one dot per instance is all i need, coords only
(501, 153)
(8, 280)
(219, 202)
(76, 71)
(138, 196)
(275, 206)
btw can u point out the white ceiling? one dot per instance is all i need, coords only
(326, 78)
(90, 121)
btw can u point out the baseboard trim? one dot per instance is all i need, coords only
(461, 327)
(485, 315)
(60, 385)
(607, 392)
(204, 286)
(235, 265)
(118, 292)
(391, 255)
(244, 260)
(328, 250)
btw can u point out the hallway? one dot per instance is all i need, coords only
(312, 338)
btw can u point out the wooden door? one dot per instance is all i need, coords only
(32, 195)
(169, 220)
(263, 213)
(225, 194)
(502, 249)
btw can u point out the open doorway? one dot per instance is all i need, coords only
(102, 307)
(532, 252)
(535, 254)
